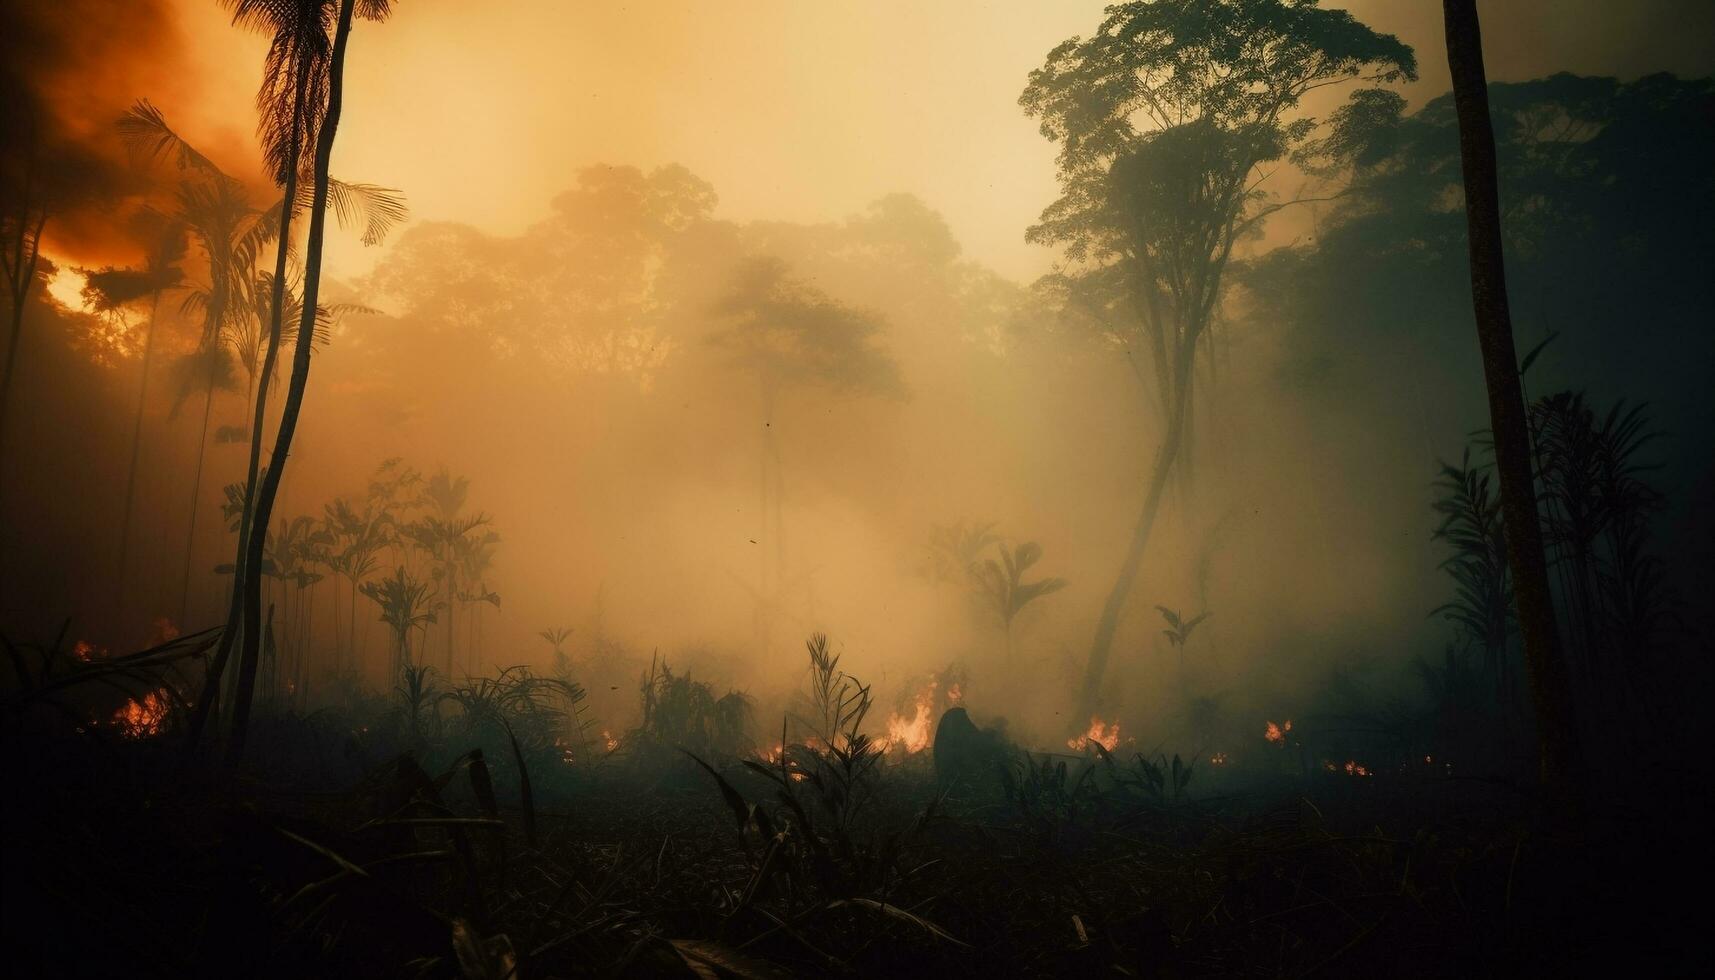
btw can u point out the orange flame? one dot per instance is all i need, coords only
(1100, 732)
(912, 734)
(1350, 768)
(143, 719)
(1277, 733)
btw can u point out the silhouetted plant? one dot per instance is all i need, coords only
(406, 604)
(1481, 609)
(1597, 511)
(956, 550)
(1006, 590)
(685, 713)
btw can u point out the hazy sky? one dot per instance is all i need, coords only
(793, 109)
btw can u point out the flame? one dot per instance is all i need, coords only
(1103, 734)
(86, 651)
(912, 734)
(955, 694)
(1349, 767)
(773, 757)
(1277, 733)
(568, 755)
(145, 718)
(1218, 759)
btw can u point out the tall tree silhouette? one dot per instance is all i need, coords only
(1544, 663)
(26, 201)
(787, 333)
(1169, 119)
(290, 105)
(269, 486)
(207, 369)
(111, 290)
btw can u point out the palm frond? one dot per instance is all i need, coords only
(377, 209)
(144, 131)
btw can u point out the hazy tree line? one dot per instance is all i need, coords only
(638, 337)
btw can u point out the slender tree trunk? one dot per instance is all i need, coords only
(351, 625)
(196, 499)
(270, 487)
(256, 408)
(1556, 734)
(452, 600)
(1095, 670)
(136, 451)
(22, 276)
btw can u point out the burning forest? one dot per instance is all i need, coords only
(1173, 488)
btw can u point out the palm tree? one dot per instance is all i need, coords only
(557, 637)
(206, 369)
(406, 604)
(476, 557)
(357, 539)
(1178, 631)
(112, 289)
(448, 539)
(269, 486)
(1004, 586)
(1544, 663)
(25, 205)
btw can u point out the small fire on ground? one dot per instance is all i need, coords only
(145, 718)
(912, 734)
(1100, 733)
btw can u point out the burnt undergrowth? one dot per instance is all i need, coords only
(501, 838)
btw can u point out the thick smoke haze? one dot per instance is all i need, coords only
(592, 184)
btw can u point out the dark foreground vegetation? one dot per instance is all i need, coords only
(484, 830)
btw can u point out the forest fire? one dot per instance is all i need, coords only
(609, 743)
(912, 735)
(1100, 733)
(145, 718)
(512, 490)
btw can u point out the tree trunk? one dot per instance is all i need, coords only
(1096, 668)
(22, 276)
(257, 410)
(196, 495)
(1557, 738)
(136, 451)
(452, 599)
(270, 487)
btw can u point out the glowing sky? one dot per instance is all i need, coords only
(795, 110)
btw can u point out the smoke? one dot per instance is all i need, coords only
(67, 71)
